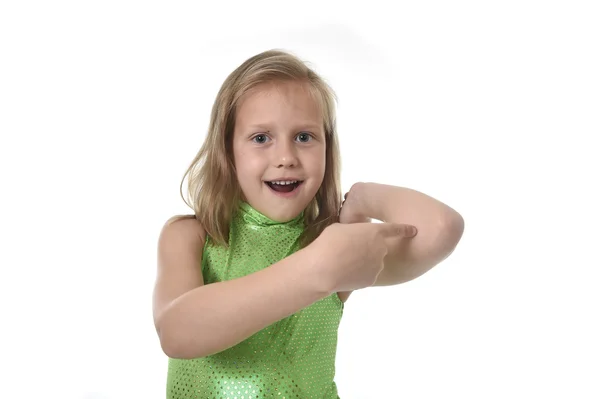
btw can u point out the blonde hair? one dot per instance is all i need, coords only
(213, 189)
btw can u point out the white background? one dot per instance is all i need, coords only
(490, 107)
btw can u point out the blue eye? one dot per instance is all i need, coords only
(257, 136)
(308, 137)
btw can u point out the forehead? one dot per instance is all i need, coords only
(291, 101)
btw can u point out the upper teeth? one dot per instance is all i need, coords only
(285, 182)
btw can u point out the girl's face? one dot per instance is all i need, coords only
(278, 136)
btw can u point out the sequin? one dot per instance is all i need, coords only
(293, 358)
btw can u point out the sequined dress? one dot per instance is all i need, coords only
(293, 358)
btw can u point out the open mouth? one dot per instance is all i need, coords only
(284, 187)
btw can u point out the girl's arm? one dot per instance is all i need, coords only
(440, 227)
(196, 320)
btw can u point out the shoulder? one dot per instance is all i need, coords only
(183, 227)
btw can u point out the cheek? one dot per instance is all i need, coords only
(317, 163)
(249, 165)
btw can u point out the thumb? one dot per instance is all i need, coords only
(398, 229)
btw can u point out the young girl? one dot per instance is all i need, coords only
(250, 290)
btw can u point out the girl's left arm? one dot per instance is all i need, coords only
(439, 228)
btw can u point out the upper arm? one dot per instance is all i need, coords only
(397, 264)
(179, 258)
(408, 259)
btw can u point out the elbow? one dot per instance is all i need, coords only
(175, 347)
(170, 343)
(167, 343)
(169, 350)
(454, 227)
(450, 235)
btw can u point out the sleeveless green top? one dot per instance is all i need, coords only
(293, 358)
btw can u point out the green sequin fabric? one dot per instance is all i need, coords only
(293, 358)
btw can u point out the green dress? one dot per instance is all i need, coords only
(293, 358)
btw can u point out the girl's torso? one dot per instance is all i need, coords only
(293, 357)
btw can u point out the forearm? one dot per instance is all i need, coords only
(439, 227)
(404, 205)
(217, 316)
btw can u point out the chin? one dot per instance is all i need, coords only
(279, 208)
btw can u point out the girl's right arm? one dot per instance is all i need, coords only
(196, 320)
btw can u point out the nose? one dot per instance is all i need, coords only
(285, 155)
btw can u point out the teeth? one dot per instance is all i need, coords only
(284, 183)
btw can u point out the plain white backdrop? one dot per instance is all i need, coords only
(491, 107)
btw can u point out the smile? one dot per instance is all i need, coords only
(284, 188)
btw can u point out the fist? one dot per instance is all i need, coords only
(352, 208)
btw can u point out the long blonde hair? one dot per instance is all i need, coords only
(213, 189)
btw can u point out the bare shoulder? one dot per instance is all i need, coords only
(185, 222)
(179, 242)
(179, 258)
(181, 232)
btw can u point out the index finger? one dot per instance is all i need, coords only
(397, 229)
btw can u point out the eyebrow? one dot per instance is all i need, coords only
(300, 126)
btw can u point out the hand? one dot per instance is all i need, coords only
(351, 209)
(350, 256)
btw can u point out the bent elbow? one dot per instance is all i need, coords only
(175, 348)
(454, 227)
(167, 343)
